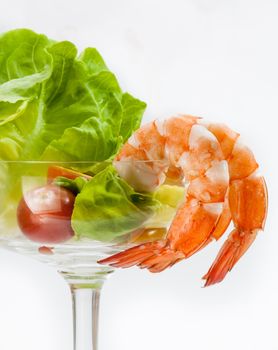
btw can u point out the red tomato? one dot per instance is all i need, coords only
(44, 214)
(55, 171)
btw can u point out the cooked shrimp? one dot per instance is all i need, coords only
(223, 186)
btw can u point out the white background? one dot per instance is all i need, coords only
(214, 58)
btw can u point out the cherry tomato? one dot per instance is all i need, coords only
(55, 171)
(44, 214)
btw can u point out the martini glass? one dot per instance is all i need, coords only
(75, 259)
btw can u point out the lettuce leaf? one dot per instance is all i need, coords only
(75, 186)
(160, 206)
(107, 207)
(51, 100)
(24, 65)
(92, 140)
(56, 105)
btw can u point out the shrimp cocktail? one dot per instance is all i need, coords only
(84, 187)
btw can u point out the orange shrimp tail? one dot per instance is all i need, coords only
(233, 249)
(155, 256)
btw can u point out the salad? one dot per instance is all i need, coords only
(76, 165)
(66, 112)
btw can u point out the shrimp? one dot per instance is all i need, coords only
(223, 186)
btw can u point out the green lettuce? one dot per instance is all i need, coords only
(58, 106)
(107, 204)
(75, 186)
(107, 207)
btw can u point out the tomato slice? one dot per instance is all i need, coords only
(46, 250)
(56, 171)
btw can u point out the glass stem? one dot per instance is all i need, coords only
(85, 303)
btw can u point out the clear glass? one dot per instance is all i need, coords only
(26, 225)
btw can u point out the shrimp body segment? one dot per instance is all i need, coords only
(223, 186)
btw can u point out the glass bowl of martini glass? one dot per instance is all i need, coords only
(72, 214)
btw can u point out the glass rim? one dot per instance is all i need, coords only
(93, 162)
